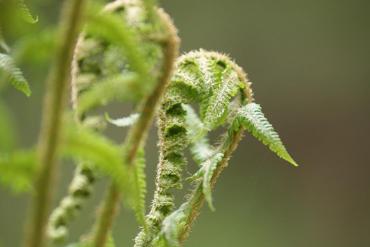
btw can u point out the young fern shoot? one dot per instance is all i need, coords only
(222, 91)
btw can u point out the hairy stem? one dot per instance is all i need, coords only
(138, 132)
(54, 101)
(197, 197)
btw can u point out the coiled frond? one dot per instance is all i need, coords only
(222, 93)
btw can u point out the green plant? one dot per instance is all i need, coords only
(128, 53)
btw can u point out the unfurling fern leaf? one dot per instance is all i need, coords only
(18, 170)
(14, 74)
(251, 117)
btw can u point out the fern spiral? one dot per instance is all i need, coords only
(213, 81)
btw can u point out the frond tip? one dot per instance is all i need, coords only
(251, 117)
(15, 75)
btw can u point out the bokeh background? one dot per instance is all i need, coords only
(310, 64)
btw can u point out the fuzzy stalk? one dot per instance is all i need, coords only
(138, 133)
(54, 102)
(197, 197)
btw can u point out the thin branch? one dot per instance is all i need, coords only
(138, 132)
(54, 102)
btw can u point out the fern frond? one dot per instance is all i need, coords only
(18, 170)
(200, 147)
(112, 28)
(251, 117)
(172, 226)
(137, 180)
(125, 121)
(16, 78)
(25, 12)
(104, 156)
(79, 189)
(116, 87)
(219, 102)
(209, 168)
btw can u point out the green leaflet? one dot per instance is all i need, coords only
(18, 170)
(205, 174)
(104, 155)
(251, 117)
(3, 46)
(219, 102)
(7, 132)
(209, 169)
(172, 226)
(116, 87)
(112, 28)
(16, 78)
(137, 181)
(125, 121)
(25, 12)
(200, 147)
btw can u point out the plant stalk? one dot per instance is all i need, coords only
(54, 103)
(138, 132)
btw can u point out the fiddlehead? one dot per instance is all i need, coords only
(224, 97)
(212, 81)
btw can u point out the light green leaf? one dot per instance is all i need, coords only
(251, 117)
(200, 147)
(116, 87)
(173, 224)
(137, 183)
(18, 170)
(105, 156)
(112, 28)
(125, 121)
(219, 102)
(8, 67)
(209, 167)
(25, 12)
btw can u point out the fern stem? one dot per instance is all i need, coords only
(197, 197)
(55, 99)
(138, 132)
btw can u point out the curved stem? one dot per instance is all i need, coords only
(138, 132)
(54, 102)
(197, 197)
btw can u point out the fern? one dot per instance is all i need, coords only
(251, 117)
(16, 78)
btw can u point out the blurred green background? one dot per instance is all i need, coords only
(310, 64)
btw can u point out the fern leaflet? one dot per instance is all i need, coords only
(251, 117)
